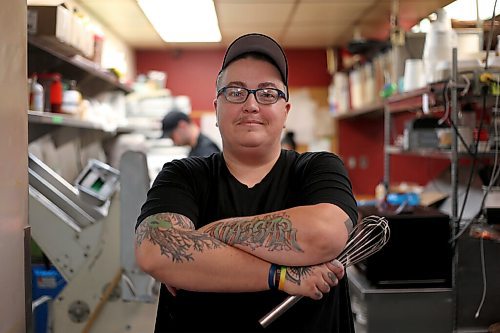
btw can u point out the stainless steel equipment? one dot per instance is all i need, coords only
(88, 238)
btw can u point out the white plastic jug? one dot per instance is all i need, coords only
(439, 42)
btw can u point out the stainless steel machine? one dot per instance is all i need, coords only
(87, 230)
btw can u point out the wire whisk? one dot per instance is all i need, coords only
(366, 238)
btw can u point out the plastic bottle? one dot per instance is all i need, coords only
(56, 94)
(71, 99)
(36, 95)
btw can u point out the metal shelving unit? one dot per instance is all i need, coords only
(462, 264)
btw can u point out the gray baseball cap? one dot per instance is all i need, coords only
(259, 43)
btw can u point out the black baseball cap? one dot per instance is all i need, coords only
(170, 122)
(259, 43)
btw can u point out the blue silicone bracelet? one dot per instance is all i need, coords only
(270, 278)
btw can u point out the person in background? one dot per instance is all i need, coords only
(288, 141)
(230, 236)
(178, 126)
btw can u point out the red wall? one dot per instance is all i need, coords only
(193, 72)
(190, 73)
(364, 138)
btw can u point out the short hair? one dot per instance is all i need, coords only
(171, 120)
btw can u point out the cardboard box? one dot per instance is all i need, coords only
(53, 25)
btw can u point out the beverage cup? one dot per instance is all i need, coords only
(414, 74)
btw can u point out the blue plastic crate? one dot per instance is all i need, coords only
(45, 282)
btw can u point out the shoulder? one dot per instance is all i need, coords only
(204, 147)
(309, 160)
(193, 165)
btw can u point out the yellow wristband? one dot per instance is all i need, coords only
(282, 278)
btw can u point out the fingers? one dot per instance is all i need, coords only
(321, 279)
(336, 268)
(323, 286)
(317, 295)
(331, 276)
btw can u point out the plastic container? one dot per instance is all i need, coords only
(36, 95)
(439, 42)
(71, 99)
(56, 94)
(396, 199)
(414, 77)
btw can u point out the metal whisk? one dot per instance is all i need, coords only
(365, 239)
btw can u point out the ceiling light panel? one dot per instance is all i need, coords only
(183, 21)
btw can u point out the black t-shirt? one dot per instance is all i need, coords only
(204, 147)
(204, 190)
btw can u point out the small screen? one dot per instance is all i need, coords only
(97, 185)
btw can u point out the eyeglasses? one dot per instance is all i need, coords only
(239, 95)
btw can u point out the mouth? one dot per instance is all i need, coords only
(250, 122)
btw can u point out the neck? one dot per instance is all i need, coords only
(252, 165)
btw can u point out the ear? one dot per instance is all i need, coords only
(288, 107)
(216, 113)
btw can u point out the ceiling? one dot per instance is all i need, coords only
(293, 23)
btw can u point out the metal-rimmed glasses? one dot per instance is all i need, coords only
(239, 95)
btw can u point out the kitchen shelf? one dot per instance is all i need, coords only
(91, 78)
(58, 119)
(412, 100)
(376, 109)
(433, 153)
(41, 123)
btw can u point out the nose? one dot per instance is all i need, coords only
(251, 104)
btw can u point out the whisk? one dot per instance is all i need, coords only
(365, 239)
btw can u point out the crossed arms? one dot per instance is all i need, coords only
(234, 255)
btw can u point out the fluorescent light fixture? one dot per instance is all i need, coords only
(462, 10)
(44, 2)
(465, 10)
(183, 21)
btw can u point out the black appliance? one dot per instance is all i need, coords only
(418, 253)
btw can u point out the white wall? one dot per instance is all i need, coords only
(13, 164)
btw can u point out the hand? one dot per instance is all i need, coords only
(313, 281)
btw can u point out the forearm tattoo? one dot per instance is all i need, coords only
(273, 232)
(173, 233)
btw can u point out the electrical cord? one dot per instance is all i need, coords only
(453, 125)
(471, 174)
(483, 270)
(494, 176)
(496, 170)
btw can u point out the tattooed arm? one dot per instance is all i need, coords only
(169, 249)
(299, 236)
